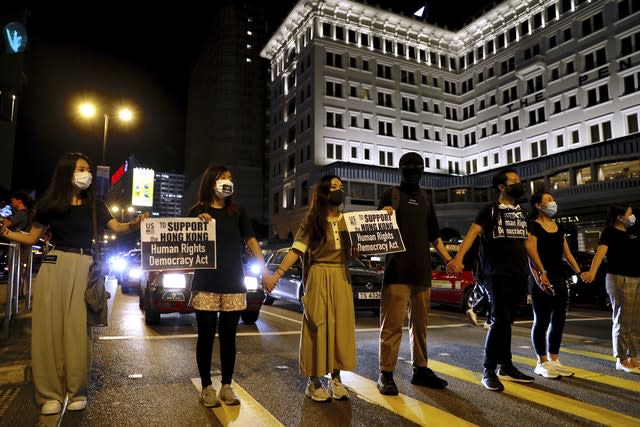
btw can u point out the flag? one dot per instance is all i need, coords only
(422, 12)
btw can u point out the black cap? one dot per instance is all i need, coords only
(411, 158)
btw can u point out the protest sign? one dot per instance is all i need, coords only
(374, 232)
(178, 243)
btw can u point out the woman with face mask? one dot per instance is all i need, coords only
(622, 283)
(219, 295)
(60, 344)
(546, 246)
(327, 342)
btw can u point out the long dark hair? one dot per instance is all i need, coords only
(535, 199)
(614, 211)
(206, 194)
(57, 198)
(315, 222)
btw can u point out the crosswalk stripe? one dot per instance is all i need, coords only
(248, 413)
(405, 406)
(591, 376)
(551, 400)
(591, 354)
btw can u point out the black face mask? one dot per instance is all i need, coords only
(411, 175)
(515, 191)
(336, 198)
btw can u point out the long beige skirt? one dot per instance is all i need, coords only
(328, 340)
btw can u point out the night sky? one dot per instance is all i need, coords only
(127, 51)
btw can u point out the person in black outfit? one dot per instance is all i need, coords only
(546, 246)
(407, 278)
(502, 227)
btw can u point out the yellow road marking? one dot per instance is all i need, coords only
(543, 398)
(405, 406)
(592, 354)
(591, 376)
(248, 413)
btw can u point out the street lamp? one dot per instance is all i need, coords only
(115, 209)
(88, 110)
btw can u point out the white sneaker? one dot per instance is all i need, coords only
(51, 407)
(629, 369)
(228, 396)
(317, 394)
(209, 398)
(471, 315)
(546, 370)
(560, 368)
(77, 405)
(338, 391)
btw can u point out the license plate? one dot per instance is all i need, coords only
(441, 284)
(173, 296)
(368, 295)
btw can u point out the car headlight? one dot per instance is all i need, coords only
(119, 264)
(254, 268)
(251, 283)
(174, 280)
(135, 273)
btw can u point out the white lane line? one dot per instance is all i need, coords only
(281, 317)
(407, 407)
(248, 413)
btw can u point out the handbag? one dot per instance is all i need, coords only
(96, 295)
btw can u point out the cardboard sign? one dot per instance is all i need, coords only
(178, 243)
(374, 232)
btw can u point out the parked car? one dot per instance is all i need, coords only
(366, 283)
(131, 274)
(170, 292)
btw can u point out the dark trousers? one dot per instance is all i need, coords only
(549, 315)
(227, 326)
(505, 294)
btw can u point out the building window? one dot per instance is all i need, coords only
(536, 116)
(595, 59)
(575, 137)
(385, 128)
(334, 60)
(407, 77)
(367, 154)
(384, 100)
(354, 122)
(425, 134)
(365, 65)
(600, 132)
(559, 141)
(597, 95)
(559, 180)
(408, 104)
(510, 94)
(592, 24)
(385, 158)
(627, 7)
(366, 124)
(573, 101)
(632, 123)
(508, 65)
(334, 89)
(334, 120)
(354, 152)
(619, 170)
(631, 83)
(513, 155)
(570, 67)
(384, 71)
(538, 149)
(334, 151)
(511, 125)
(409, 132)
(352, 36)
(496, 158)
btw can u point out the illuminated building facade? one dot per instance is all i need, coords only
(549, 87)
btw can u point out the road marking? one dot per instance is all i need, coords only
(405, 406)
(585, 319)
(248, 413)
(281, 317)
(591, 376)
(591, 354)
(558, 402)
(182, 336)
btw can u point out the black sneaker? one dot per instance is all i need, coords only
(490, 380)
(511, 373)
(386, 385)
(425, 377)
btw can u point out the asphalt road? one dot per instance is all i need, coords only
(143, 376)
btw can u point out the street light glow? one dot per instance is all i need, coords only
(87, 109)
(125, 114)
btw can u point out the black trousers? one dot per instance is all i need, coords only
(549, 316)
(226, 322)
(505, 293)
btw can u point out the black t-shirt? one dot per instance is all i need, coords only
(504, 231)
(418, 226)
(231, 230)
(549, 246)
(74, 227)
(622, 252)
(19, 220)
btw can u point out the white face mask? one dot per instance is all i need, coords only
(224, 188)
(630, 222)
(82, 180)
(550, 209)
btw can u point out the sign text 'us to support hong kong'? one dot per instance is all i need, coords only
(178, 243)
(374, 232)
